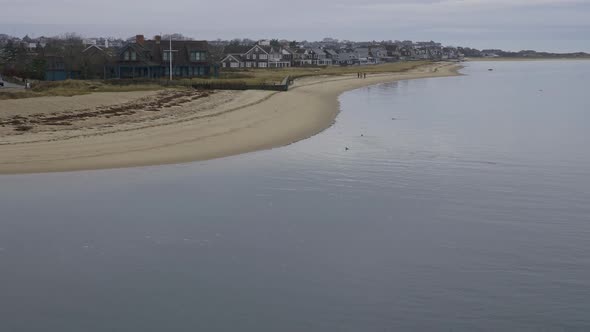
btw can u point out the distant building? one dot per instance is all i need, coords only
(151, 59)
(332, 56)
(56, 69)
(261, 55)
(348, 57)
(93, 62)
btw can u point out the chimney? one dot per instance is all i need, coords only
(158, 39)
(140, 39)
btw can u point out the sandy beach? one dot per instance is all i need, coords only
(129, 129)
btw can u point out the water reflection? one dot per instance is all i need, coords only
(460, 204)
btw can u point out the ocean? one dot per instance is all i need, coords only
(444, 204)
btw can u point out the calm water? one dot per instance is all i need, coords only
(464, 206)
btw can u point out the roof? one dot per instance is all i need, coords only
(288, 49)
(331, 52)
(266, 48)
(236, 57)
(237, 49)
(318, 51)
(152, 52)
(91, 47)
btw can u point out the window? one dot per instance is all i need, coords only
(133, 56)
(254, 56)
(126, 55)
(167, 55)
(235, 65)
(262, 65)
(263, 56)
(198, 56)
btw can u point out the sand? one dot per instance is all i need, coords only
(130, 129)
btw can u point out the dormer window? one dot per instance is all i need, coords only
(130, 56)
(198, 56)
(167, 56)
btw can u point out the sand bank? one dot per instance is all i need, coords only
(115, 130)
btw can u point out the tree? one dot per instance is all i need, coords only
(72, 50)
(275, 42)
(175, 36)
(8, 53)
(38, 67)
(235, 43)
(22, 61)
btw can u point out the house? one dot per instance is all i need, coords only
(266, 56)
(363, 55)
(232, 61)
(451, 53)
(257, 57)
(332, 55)
(379, 54)
(347, 57)
(57, 70)
(232, 56)
(280, 57)
(150, 59)
(406, 52)
(320, 58)
(393, 53)
(261, 55)
(302, 57)
(93, 62)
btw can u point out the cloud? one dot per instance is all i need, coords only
(460, 5)
(508, 22)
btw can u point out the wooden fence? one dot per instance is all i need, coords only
(283, 86)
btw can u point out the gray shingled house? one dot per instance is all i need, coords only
(150, 59)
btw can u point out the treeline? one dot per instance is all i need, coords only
(475, 53)
(18, 59)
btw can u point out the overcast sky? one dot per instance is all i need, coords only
(553, 25)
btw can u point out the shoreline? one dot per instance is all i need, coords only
(502, 59)
(216, 126)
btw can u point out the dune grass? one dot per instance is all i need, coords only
(275, 76)
(70, 88)
(244, 76)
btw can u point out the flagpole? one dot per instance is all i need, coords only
(170, 57)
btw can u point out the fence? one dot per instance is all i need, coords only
(284, 86)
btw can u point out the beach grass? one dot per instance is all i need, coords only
(70, 88)
(275, 76)
(245, 76)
